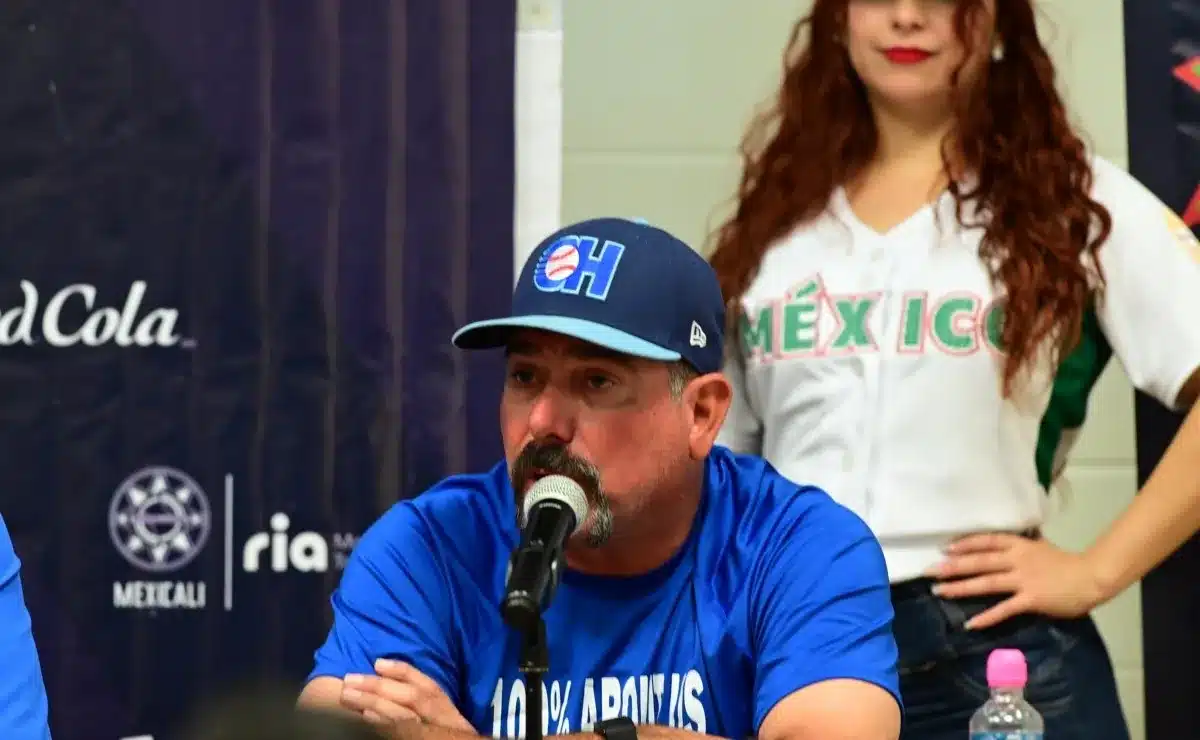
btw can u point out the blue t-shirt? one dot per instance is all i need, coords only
(23, 705)
(777, 587)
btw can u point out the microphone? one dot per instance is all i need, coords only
(555, 508)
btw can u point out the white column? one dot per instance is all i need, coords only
(538, 124)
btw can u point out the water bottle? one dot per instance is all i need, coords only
(1006, 715)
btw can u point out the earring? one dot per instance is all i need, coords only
(998, 52)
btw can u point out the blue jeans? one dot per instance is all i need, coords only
(943, 668)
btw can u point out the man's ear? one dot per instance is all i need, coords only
(707, 399)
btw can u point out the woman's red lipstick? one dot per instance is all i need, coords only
(906, 55)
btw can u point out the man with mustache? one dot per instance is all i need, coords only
(704, 595)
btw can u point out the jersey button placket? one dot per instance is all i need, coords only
(874, 282)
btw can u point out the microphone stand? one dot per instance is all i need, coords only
(525, 615)
(535, 662)
(533, 572)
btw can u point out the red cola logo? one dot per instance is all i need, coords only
(127, 325)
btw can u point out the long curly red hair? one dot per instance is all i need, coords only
(1031, 172)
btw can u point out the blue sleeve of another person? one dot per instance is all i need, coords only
(23, 705)
(392, 602)
(821, 605)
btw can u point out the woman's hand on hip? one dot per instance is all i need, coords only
(1040, 577)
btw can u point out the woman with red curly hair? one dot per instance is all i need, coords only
(929, 272)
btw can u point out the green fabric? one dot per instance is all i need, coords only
(1073, 384)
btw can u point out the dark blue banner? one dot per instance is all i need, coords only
(237, 237)
(1162, 52)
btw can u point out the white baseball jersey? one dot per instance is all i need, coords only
(870, 366)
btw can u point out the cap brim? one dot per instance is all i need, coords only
(495, 333)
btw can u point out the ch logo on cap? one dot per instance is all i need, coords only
(697, 338)
(565, 263)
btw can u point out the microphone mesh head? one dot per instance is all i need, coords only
(558, 488)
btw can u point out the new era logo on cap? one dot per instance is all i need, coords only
(624, 285)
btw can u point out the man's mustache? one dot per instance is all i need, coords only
(538, 460)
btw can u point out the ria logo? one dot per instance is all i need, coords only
(308, 552)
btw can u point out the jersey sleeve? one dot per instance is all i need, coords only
(742, 430)
(23, 704)
(393, 602)
(1151, 297)
(821, 607)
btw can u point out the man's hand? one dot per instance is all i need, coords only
(399, 693)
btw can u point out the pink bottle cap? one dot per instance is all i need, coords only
(1006, 669)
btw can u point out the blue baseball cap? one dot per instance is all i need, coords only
(624, 285)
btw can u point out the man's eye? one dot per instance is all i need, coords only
(599, 382)
(521, 377)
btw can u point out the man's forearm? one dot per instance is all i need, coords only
(656, 732)
(414, 731)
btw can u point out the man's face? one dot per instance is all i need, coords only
(607, 420)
